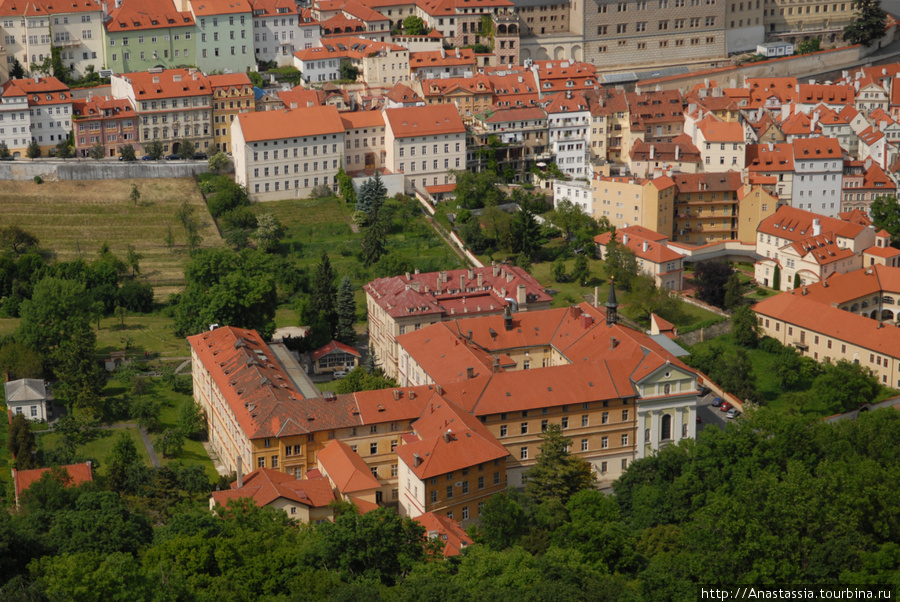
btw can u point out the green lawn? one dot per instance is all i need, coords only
(151, 333)
(100, 447)
(774, 396)
(316, 226)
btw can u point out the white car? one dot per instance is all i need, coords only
(339, 373)
(732, 413)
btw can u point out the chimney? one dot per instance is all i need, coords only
(417, 459)
(652, 152)
(677, 152)
(510, 276)
(520, 296)
(586, 321)
(496, 363)
(411, 394)
(645, 246)
(625, 239)
(443, 52)
(469, 335)
(612, 343)
(471, 274)
(596, 295)
(396, 395)
(462, 282)
(447, 436)
(240, 473)
(439, 389)
(816, 227)
(804, 292)
(470, 373)
(480, 280)
(495, 269)
(507, 318)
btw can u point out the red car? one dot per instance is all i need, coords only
(725, 407)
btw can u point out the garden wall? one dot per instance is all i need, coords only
(98, 170)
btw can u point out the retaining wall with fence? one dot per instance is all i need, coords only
(74, 169)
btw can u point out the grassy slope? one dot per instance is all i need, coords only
(74, 218)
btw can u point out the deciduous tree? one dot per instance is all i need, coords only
(868, 24)
(21, 443)
(710, 278)
(620, 264)
(745, 327)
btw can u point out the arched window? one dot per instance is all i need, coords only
(666, 428)
(865, 304)
(887, 300)
(667, 388)
(646, 435)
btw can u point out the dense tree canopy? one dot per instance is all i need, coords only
(710, 278)
(868, 25)
(228, 288)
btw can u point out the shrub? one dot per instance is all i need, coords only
(38, 180)
(770, 345)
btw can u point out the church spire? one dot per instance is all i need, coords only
(611, 304)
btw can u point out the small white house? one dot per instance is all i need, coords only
(28, 396)
(775, 49)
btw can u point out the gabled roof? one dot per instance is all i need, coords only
(258, 391)
(447, 530)
(266, 485)
(654, 251)
(101, 108)
(715, 130)
(832, 94)
(167, 83)
(354, 120)
(728, 181)
(147, 14)
(39, 8)
(78, 474)
(208, 8)
(40, 91)
(821, 249)
(795, 224)
(291, 123)
(331, 347)
(346, 469)
(450, 439)
(229, 80)
(816, 148)
(434, 120)
(770, 157)
(403, 94)
(441, 58)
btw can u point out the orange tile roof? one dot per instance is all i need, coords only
(796, 224)
(205, 8)
(149, 14)
(37, 8)
(567, 102)
(655, 251)
(821, 249)
(762, 89)
(447, 530)
(290, 123)
(361, 12)
(346, 469)
(346, 46)
(403, 94)
(770, 157)
(228, 80)
(807, 313)
(270, 8)
(450, 439)
(362, 119)
(258, 392)
(265, 485)
(507, 115)
(885, 252)
(331, 347)
(99, 108)
(78, 474)
(411, 122)
(40, 91)
(441, 58)
(834, 94)
(169, 83)
(816, 148)
(665, 151)
(728, 181)
(442, 353)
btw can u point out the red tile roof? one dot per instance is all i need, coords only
(346, 469)
(150, 14)
(259, 393)
(345, 47)
(169, 83)
(796, 224)
(729, 181)
(447, 530)
(354, 120)
(508, 115)
(270, 8)
(99, 108)
(434, 120)
(265, 485)
(665, 152)
(291, 123)
(770, 157)
(403, 94)
(450, 439)
(656, 250)
(40, 91)
(229, 80)
(331, 347)
(78, 474)
(816, 148)
(205, 8)
(38, 8)
(441, 58)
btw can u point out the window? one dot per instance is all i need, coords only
(481, 482)
(565, 422)
(543, 425)
(584, 420)
(261, 462)
(433, 496)
(523, 453)
(503, 431)
(449, 491)
(465, 513)
(624, 415)
(373, 448)
(374, 470)
(584, 445)
(496, 478)
(394, 470)
(465, 487)
(524, 428)
(625, 439)
(267, 442)
(604, 442)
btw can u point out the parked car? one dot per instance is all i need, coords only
(339, 373)
(725, 406)
(200, 157)
(9, 158)
(146, 158)
(172, 157)
(732, 413)
(717, 402)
